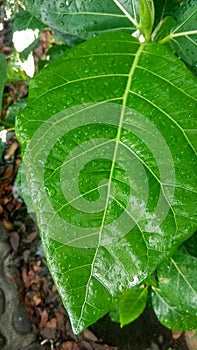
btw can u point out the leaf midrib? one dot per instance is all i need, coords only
(168, 115)
(186, 20)
(89, 14)
(180, 273)
(125, 97)
(173, 308)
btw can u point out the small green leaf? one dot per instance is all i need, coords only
(115, 313)
(151, 281)
(2, 77)
(131, 305)
(175, 299)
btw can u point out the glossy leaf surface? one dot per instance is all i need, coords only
(175, 301)
(81, 18)
(110, 166)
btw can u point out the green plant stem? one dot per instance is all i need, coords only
(174, 35)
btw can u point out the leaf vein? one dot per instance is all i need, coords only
(167, 115)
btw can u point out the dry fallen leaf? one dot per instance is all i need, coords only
(32, 236)
(89, 335)
(176, 334)
(1, 210)
(7, 224)
(84, 345)
(191, 340)
(69, 345)
(36, 266)
(52, 323)
(26, 278)
(11, 150)
(44, 318)
(37, 299)
(14, 240)
(54, 288)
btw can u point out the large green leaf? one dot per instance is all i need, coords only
(82, 18)
(175, 300)
(110, 166)
(2, 76)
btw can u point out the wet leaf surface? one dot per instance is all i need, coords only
(175, 299)
(83, 19)
(28, 271)
(95, 253)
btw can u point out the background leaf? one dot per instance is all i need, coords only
(190, 246)
(15, 70)
(175, 300)
(186, 44)
(2, 76)
(12, 111)
(83, 19)
(165, 8)
(175, 8)
(96, 255)
(24, 20)
(10, 9)
(164, 30)
(178, 19)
